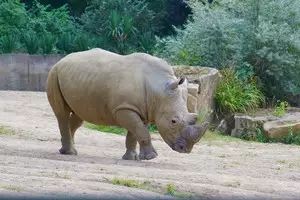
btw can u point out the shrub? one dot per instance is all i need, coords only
(120, 21)
(47, 43)
(13, 17)
(234, 95)
(262, 34)
(8, 44)
(65, 43)
(31, 42)
(43, 19)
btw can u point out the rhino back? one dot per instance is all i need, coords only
(96, 83)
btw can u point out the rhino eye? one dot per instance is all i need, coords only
(173, 121)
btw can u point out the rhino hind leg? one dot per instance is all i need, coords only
(131, 143)
(75, 123)
(66, 136)
(133, 123)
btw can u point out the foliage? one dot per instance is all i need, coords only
(65, 43)
(290, 138)
(280, 108)
(117, 130)
(47, 43)
(108, 129)
(243, 33)
(125, 182)
(31, 42)
(171, 190)
(8, 44)
(45, 20)
(260, 136)
(13, 18)
(234, 95)
(122, 22)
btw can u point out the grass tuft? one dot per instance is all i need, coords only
(115, 129)
(234, 95)
(6, 130)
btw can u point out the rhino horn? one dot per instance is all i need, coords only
(195, 132)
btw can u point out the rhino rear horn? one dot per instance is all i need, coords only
(197, 131)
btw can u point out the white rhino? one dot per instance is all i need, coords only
(129, 91)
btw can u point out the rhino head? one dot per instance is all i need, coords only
(175, 124)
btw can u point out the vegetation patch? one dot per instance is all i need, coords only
(291, 138)
(115, 129)
(11, 187)
(280, 108)
(107, 129)
(218, 136)
(234, 95)
(6, 130)
(169, 189)
(172, 191)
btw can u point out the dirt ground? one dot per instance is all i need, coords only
(31, 165)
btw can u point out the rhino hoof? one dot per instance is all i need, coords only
(71, 151)
(130, 155)
(147, 156)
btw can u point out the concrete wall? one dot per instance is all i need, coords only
(24, 71)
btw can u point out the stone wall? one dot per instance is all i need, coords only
(24, 71)
(202, 84)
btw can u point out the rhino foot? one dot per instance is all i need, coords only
(71, 151)
(130, 155)
(146, 154)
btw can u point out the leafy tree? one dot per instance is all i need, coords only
(261, 35)
(13, 18)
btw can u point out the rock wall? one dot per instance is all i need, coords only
(202, 86)
(24, 71)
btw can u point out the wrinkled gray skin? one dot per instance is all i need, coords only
(130, 91)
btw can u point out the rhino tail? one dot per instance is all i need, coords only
(54, 94)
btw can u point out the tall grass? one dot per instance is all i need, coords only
(234, 95)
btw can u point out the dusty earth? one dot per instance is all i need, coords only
(31, 166)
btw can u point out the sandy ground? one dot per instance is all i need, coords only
(31, 166)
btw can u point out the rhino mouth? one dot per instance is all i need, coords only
(181, 146)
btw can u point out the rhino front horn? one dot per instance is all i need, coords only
(195, 132)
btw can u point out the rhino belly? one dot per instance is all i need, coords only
(86, 97)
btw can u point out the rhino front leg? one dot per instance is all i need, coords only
(131, 143)
(133, 123)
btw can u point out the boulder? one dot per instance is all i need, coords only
(272, 127)
(245, 126)
(280, 128)
(202, 83)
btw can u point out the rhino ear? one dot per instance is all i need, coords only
(182, 79)
(174, 84)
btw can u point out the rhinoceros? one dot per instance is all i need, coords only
(129, 91)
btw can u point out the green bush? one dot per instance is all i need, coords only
(31, 42)
(65, 43)
(13, 17)
(234, 95)
(120, 21)
(44, 19)
(47, 43)
(261, 34)
(8, 44)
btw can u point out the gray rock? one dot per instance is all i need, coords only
(202, 85)
(280, 127)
